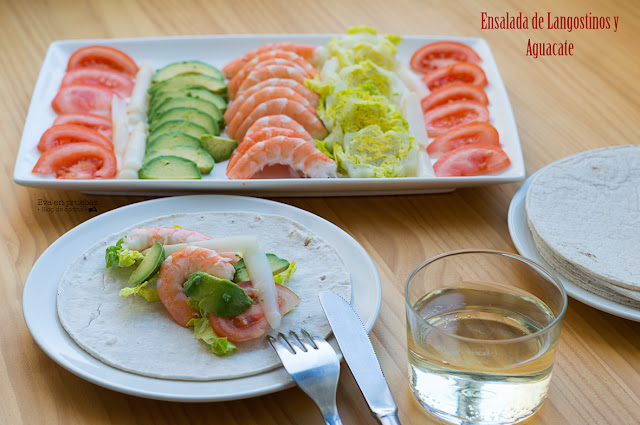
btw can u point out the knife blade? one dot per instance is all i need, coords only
(360, 356)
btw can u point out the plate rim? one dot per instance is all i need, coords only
(351, 186)
(524, 245)
(187, 391)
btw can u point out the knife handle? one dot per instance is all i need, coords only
(391, 419)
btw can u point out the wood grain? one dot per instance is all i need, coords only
(562, 105)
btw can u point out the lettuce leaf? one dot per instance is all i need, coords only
(149, 294)
(363, 43)
(282, 277)
(202, 330)
(117, 256)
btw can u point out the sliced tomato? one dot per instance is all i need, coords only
(114, 80)
(252, 324)
(442, 54)
(463, 72)
(471, 160)
(443, 118)
(71, 133)
(100, 124)
(103, 57)
(466, 134)
(453, 93)
(83, 98)
(82, 160)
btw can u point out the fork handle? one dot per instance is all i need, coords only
(391, 419)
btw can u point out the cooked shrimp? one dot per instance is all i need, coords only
(262, 96)
(271, 82)
(271, 71)
(280, 121)
(144, 237)
(284, 106)
(174, 273)
(274, 57)
(301, 157)
(303, 50)
(259, 136)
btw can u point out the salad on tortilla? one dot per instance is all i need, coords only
(191, 296)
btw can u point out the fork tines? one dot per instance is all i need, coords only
(306, 346)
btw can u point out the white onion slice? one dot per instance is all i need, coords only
(139, 100)
(120, 128)
(134, 154)
(411, 80)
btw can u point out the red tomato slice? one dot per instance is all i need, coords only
(466, 134)
(443, 118)
(454, 93)
(81, 160)
(103, 57)
(462, 72)
(100, 124)
(114, 80)
(471, 160)
(71, 133)
(252, 324)
(85, 99)
(442, 54)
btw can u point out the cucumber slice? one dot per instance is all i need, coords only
(218, 147)
(196, 154)
(169, 167)
(188, 114)
(188, 67)
(183, 126)
(191, 80)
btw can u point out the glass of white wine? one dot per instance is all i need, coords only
(482, 332)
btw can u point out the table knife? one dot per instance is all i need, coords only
(360, 357)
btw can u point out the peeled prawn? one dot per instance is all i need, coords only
(144, 237)
(296, 153)
(275, 57)
(303, 91)
(280, 121)
(259, 136)
(272, 71)
(284, 106)
(261, 96)
(303, 50)
(175, 271)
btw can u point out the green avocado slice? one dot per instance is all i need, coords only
(218, 296)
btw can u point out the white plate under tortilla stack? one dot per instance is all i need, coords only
(581, 217)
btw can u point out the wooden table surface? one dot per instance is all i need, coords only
(562, 105)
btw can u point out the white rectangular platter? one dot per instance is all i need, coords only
(218, 50)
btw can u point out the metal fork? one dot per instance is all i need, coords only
(315, 367)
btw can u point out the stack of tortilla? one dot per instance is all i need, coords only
(584, 215)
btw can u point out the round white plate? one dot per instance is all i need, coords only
(522, 239)
(39, 296)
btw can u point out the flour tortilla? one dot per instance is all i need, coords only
(140, 337)
(584, 216)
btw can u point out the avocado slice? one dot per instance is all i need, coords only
(149, 266)
(174, 138)
(183, 126)
(187, 67)
(169, 167)
(196, 154)
(191, 80)
(219, 148)
(278, 265)
(218, 296)
(188, 102)
(193, 92)
(188, 114)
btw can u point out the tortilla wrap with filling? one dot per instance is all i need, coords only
(140, 337)
(584, 216)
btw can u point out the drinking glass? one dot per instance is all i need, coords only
(482, 331)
